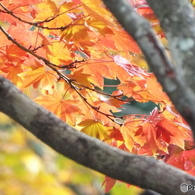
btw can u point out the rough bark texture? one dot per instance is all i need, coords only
(142, 171)
(178, 21)
(170, 78)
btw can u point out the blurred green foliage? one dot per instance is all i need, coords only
(29, 167)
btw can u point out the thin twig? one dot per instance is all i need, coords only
(37, 24)
(67, 80)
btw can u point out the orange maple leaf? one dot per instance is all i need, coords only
(116, 135)
(176, 134)
(13, 72)
(64, 109)
(45, 79)
(18, 8)
(15, 54)
(155, 90)
(97, 69)
(128, 131)
(125, 42)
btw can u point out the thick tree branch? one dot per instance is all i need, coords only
(173, 83)
(178, 21)
(142, 171)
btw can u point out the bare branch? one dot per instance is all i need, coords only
(142, 171)
(178, 21)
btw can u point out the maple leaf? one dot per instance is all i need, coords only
(99, 26)
(14, 53)
(39, 77)
(176, 134)
(164, 134)
(174, 157)
(29, 39)
(149, 131)
(19, 8)
(112, 101)
(64, 18)
(58, 53)
(12, 63)
(103, 108)
(125, 42)
(155, 90)
(107, 42)
(81, 78)
(154, 138)
(77, 33)
(128, 131)
(46, 10)
(144, 90)
(58, 17)
(64, 109)
(116, 134)
(132, 69)
(109, 183)
(100, 69)
(96, 10)
(189, 162)
(159, 133)
(94, 128)
(13, 72)
(127, 88)
(97, 69)
(143, 8)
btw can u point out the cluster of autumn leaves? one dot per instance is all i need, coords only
(63, 54)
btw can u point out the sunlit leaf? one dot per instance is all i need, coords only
(94, 129)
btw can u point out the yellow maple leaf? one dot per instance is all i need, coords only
(81, 78)
(77, 32)
(46, 10)
(57, 53)
(96, 9)
(99, 26)
(94, 128)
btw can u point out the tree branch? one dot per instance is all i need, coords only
(142, 171)
(173, 83)
(178, 21)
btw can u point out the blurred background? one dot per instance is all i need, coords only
(29, 167)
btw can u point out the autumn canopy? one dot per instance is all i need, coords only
(59, 54)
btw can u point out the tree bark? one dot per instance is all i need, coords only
(178, 21)
(142, 171)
